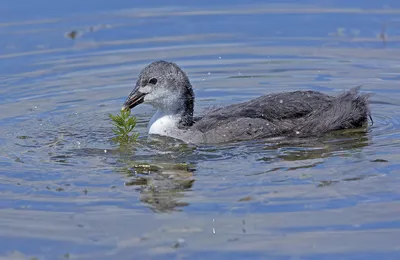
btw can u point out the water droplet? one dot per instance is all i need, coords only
(209, 73)
(204, 79)
(105, 151)
(180, 242)
(219, 57)
(297, 132)
(213, 230)
(281, 101)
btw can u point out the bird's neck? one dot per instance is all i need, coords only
(163, 123)
(169, 122)
(172, 118)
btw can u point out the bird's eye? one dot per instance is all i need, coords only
(153, 81)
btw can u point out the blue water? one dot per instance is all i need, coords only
(67, 191)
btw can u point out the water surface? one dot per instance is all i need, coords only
(68, 191)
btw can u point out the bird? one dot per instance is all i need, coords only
(302, 113)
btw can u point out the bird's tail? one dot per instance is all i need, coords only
(348, 110)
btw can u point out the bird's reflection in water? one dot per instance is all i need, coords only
(304, 153)
(161, 186)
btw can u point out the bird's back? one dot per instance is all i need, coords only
(299, 113)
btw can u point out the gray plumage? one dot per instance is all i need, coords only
(298, 113)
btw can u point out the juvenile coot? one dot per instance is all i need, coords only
(300, 113)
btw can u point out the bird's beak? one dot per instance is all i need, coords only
(134, 99)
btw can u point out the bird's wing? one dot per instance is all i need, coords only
(244, 128)
(283, 107)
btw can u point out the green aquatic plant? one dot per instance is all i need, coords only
(123, 126)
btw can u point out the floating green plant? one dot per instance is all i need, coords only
(123, 126)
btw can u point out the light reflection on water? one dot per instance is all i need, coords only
(67, 189)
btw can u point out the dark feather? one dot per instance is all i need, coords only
(299, 113)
